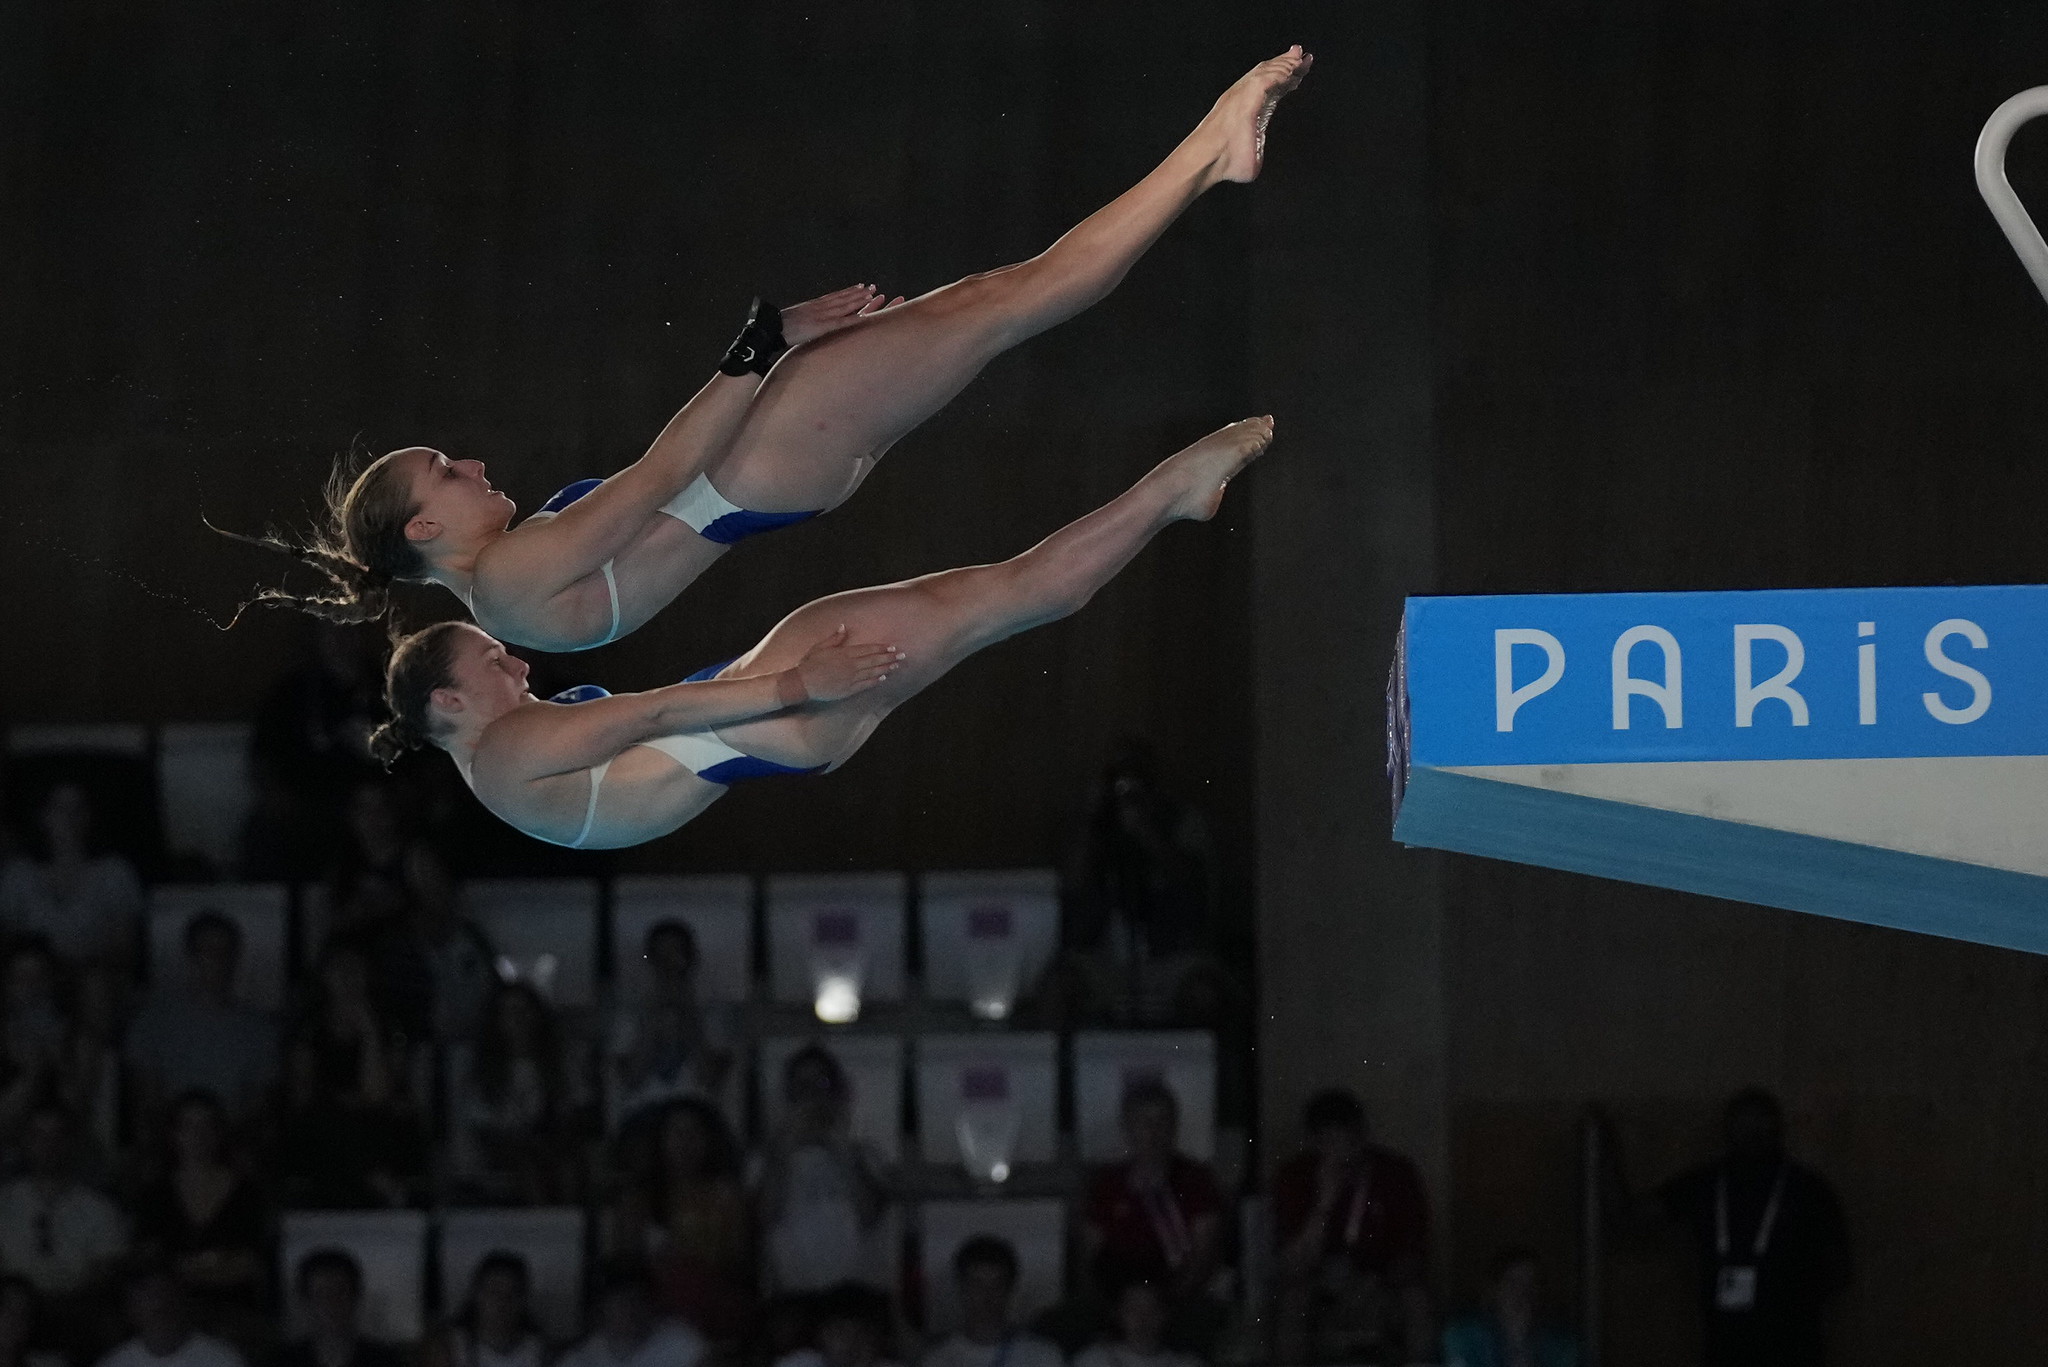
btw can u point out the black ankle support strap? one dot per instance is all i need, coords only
(759, 342)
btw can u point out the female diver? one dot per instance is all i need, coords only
(764, 444)
(597, 771)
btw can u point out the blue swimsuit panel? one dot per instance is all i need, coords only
(725, 530)
(725, 771)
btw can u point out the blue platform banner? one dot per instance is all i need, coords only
(1764, 675)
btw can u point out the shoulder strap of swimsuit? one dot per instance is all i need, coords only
(611, 583)
(597, 774)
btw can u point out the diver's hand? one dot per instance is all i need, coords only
(812, 319)
(832, 670)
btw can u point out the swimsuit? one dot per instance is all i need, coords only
(701, 752)
(700, 507)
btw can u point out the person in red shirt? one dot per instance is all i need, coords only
(1352, 1225)
(1157, 1217)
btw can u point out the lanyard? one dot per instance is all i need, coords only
(1361, 1198)
(1168, 1224)
(1764, 1224)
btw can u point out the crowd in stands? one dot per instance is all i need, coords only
(154, 1126)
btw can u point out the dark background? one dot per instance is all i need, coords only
(1615, 294)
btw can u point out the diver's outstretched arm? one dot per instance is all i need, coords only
(546, 740)
(553, 554)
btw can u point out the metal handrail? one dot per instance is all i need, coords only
(1997, 190)
(1592, 1242)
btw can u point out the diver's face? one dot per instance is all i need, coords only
(456, 503)
(488, 680)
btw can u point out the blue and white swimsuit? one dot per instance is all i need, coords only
(701, 752)
(700, 507)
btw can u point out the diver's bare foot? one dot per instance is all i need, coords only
(1204, 469)
(1239, 118)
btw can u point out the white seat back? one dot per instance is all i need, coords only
(1036, 1230)
(719, 910)
(987, 935)
(204, 790)
(389, 1245)
(987, 1099)
(261, 910)
(873, 1065)
(835, 940)
(1107, 1062)
(78, 738)
(544, 931)
(550, 1239)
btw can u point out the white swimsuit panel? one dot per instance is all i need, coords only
(697, 507)
(694, 750)
(700, 505)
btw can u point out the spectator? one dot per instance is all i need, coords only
(1352, 1223)
(685, 1210)
(93, 1077)
(308, 746)
(1143, 892)
(1142, 1308)
(83, 902)
(164, 1336)
(330, 1287)
(48, 1058)
(352, 1137)
(1507, 1332)
(207, 1221)
(1157, 1217)
(628, 1333)
(515, 1106)
(433, 967)
(985, 1273)
(495, 1327)
(18, 1344)
(1773, 1242)
(818, 1198)
(62, 1235)
(668, 1044)
(852, 1327)
(192, 1035)
(444, 956)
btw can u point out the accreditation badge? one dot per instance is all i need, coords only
(1735, 1287)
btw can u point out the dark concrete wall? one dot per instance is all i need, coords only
(1351, 935)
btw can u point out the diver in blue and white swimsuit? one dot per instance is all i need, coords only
(806, 402)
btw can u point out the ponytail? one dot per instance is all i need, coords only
(359, 547)
(419, 664)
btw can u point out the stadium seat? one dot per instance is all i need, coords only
(261, 910)
(79, 738)
(987, 935)
(204, 790)
(874, 1071)
(550, 1239)
(719, 911)
(836, 940)
(1037, 1230)
(389, 1245)
(1108, 1061)
(544, 930)
(115, 765)
(988, 1100)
